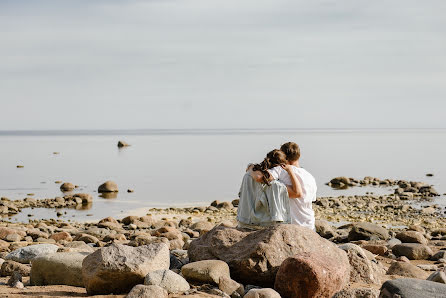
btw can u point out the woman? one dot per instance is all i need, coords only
(276, 158)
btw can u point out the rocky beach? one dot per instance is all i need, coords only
(364, 245)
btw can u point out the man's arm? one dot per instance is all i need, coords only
(295, 191)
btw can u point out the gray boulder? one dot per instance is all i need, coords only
(413, 251)
(412, 288)
(24, 255)
(118, 268)
(141, 291)
(61, 268)
(168, 280)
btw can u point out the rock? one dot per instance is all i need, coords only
(202, 226)
(65, 236)
(412, 288)
(439, 255)
(207, 271)
(168, 280)
(5, 232)
(438, 276)
(77, 246)
(25, 254)
(255, 256)
(406, 270)
(229, 286)
(67, 186)
(141, 291)
(411, 237)
(175, 262)
(428, 267)
(311, 275)
(357, 293)
(324, 229)
(413, 251)
(122, 144)
(392, 242)
(117, 268)
(86, 238)
(60, 268)
(108, 186)
(362, 269)
(262, 293)
(376, 249)
(14, 279)
(367, 231)
(9, 267)
(85, 197)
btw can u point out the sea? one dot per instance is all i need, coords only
(180, 168)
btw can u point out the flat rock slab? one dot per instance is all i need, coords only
(412, 288)
(26, 254)
(118, 268)
(60, 268)
(254, 257)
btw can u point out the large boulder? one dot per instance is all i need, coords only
(26, 254)
(407, 270)
(362, 269)
(412, 288)
(168, 280)
(117, 268)
(324, 229)
(438, 276)
(60, 268)
(413, 251)
(67, 186)
(255, 256)
(367, 231)
(108, 186)
(311, 275)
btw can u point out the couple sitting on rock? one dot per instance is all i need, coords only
(277, 191)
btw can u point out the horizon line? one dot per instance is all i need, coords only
(201, 131)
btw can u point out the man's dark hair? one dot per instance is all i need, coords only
(291, 150)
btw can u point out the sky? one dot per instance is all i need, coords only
(178, 64)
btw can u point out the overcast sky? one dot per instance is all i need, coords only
(222, 64)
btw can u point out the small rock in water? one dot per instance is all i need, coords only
(122, 144)
(130, 190)
(20, 166)
(108, 186)
(58, 182)
(55, 152)
(67, 186)
(429, 175)
(29, 194)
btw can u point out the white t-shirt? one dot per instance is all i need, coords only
(301, 208)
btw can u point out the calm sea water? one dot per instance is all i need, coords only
(188, 168)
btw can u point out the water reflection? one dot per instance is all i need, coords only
(109, 195)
